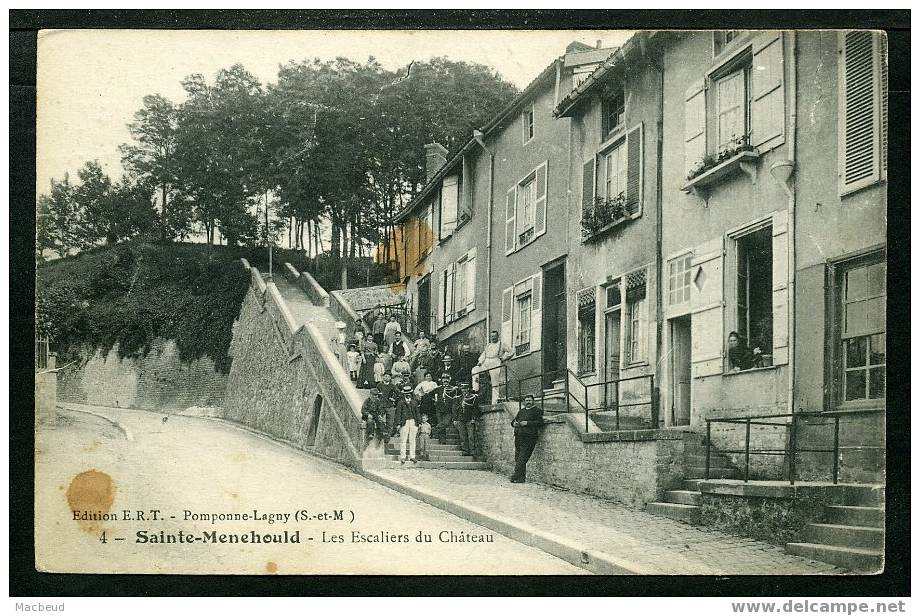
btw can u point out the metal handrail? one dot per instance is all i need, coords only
(652, 402)
(792, 448)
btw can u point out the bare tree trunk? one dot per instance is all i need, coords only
(336, 240)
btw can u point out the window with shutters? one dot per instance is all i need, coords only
(523, 306)
(587, 310)
(733, 105)
(458, 295)
(460, 289)
(450, 193)
(613, 185)
(862, 292)
(679, 280)
(636, 318)
(525, 210)
(862, 110)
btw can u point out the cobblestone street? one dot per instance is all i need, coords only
(648, 543)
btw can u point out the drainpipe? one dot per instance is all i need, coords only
(478, 136)
(659, 215)
(782, 170)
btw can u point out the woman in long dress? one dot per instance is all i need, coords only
(366, 371)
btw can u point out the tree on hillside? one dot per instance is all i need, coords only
(150, 159)
(107, 212)
(56, 219)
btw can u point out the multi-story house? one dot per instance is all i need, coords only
(507, 275)
(612, 235)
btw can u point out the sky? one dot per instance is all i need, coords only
(91, 82)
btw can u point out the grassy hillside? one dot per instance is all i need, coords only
(134, 292)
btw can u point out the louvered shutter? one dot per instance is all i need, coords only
(634, 170)
(706, 301)
(471, 280)
(859, 109)
(510, 208)
(694, 125)
(540, 205)
(768, 107)
(536, 311)
(780, 288)
(507, 309)
(449, 275)
(883, 93)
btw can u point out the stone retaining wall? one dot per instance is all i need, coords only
(157, 381)
(286, 382)
(632, 467)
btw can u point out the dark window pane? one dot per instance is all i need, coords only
(877, 383)
(856, 352)
(855, 385)
(876, 278)
(877, 349)
(856, 283)
(856, 318)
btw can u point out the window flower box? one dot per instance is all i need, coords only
(738, 155)
(603, 214)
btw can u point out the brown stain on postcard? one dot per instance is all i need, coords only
(271, 567)
(90, 492)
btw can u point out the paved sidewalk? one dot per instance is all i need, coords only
(596, 534)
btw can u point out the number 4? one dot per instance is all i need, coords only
(102, 538)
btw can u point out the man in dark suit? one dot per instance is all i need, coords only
(527, 426)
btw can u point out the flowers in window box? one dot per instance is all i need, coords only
(734, 146)
(603, 212)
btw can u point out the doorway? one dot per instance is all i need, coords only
(680, 371)
(314, 421)
(554, 324)
(611, 355)
(424, 305)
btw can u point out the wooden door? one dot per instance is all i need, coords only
(680, 371)
(611, 356)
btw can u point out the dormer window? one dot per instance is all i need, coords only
(527, 119)
(614, 113)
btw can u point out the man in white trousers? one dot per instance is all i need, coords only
(407, 418)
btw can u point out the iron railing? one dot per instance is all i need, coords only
(524, 387)
(41, 353)
(792, 448)
(608, 402)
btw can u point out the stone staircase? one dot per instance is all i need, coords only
(851, 536)
(446, 456)
(684, 504)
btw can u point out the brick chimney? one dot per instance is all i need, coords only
(435, 157)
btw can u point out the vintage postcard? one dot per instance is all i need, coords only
(461, 302)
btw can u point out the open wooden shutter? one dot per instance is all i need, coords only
(510, 209)
(540, 205)
(694, 125)
(588, 185)
(507, 309)
(768, 107)
(449, 274)
(634, 170)
(536, 311)
(860, 110)
(706, 302)
(442, 290)
(471, 280)
(780, 288)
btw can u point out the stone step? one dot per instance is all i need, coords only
(865, 496)
(859, 560)
(699, 472)
(683, 497)
(432, 446)
(693, 485)
(436, 458)
(684, 513)
(845, 536)
(457, 466)
(856, 516)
